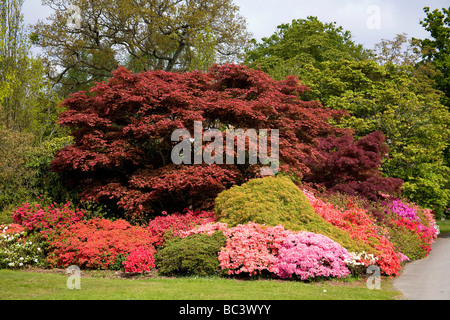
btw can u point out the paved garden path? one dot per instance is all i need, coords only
(428, 278)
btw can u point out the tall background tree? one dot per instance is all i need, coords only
(85, 40)
(437, 49)
(385, 89)
(28, 113)
(301, 42)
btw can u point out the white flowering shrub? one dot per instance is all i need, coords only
(17, 249)
(359, 261)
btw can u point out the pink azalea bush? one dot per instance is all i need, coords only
(206, 228)
(252, 248)
(309, 255)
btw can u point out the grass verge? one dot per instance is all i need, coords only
(32, 285)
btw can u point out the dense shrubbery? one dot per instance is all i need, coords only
(362, 228)
(307, 255)
(203, 243)
(273, 201)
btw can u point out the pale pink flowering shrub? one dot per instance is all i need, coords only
(309, 255)
(252, 248)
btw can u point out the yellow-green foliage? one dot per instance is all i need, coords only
(273, 201)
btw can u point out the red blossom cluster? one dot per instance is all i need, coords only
(12, 228)
(46, 220)
(97, 243)
(140, 260)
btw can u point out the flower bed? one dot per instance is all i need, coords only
(196, 242)
(362, 227)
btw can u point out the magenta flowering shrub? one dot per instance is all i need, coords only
(47, 220)
(309, 255)
(403, 210)
(139, 261)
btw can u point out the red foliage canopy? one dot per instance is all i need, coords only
(122, 130)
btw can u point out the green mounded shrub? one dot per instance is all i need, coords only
(196, 254)
(273, 201)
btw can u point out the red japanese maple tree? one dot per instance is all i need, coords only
(352, 166)
(122, 130)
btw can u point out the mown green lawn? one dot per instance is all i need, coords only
(27, 285)
(444, 226)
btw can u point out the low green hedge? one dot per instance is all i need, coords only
(193, 255)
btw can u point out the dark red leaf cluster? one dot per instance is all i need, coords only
(353, 167)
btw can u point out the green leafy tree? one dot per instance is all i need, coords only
(93, 38)
(27, 100)
(438, 47)
(16, 179)
(304, 41)
(401, 103)
(437, 51)
(203, 54)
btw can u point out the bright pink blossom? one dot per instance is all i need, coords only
(309, 255)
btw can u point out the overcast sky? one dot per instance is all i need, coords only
(369, 21)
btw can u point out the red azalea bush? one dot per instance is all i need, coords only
(46, 220)
(140, 260)
(362, 227)
(173, 224)
(308, 255)
(97, 243)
